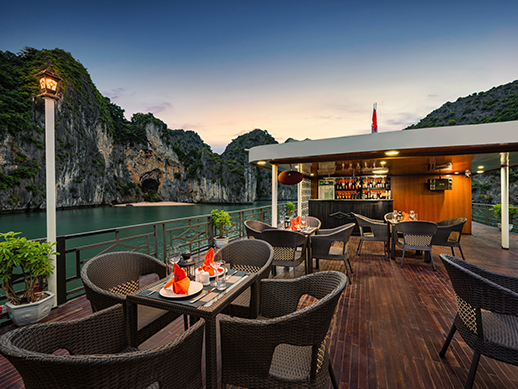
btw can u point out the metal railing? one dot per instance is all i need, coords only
(482, 213)
(159, 239)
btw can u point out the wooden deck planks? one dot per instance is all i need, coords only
(390, 323)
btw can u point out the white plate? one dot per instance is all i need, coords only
(194, 287)
(226, 271)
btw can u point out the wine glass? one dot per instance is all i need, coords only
(173, 258)
(303, 223)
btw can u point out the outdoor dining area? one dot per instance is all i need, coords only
(358, 319)
(350, 293)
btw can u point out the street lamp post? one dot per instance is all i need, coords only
(49, 85)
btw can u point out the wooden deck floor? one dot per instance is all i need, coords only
(390, 322)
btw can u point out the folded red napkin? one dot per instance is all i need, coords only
(180, 282)
(209, 260)
(295, 224)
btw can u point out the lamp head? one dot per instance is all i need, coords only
(49, 83)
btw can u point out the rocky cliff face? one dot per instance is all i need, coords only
(101, 158)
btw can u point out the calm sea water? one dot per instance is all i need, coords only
(34, 225)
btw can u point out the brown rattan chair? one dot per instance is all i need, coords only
(109, 277)
(286, 348)
(331, 244)
(417, 235)
(253, 256)
(93, 352)
(372, 230)
(289, 247)
(449, 233)
(255, 227)
(487, 312)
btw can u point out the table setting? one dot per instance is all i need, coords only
(202, 291)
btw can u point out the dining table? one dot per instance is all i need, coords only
(207, 307)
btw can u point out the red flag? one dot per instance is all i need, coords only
(374, 126)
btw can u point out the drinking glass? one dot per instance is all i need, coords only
(394, 215)
(412, 215)
(174, 257)
(303, 223)
(221, 278)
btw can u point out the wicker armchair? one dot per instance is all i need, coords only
(108, 278)
(372, 230)
(251, 255)
(289, 247)
(100, 356)
(417, 235)
(322, 245)
(449, 233)
(487, 312)
(255, 227)
(288, 350)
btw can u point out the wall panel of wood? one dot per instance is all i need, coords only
(412, 193)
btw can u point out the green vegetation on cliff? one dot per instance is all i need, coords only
(499, 104)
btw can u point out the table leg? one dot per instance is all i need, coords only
(393, 243)
(131, 312)
(211, 357)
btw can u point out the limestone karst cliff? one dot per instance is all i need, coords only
(102, 158)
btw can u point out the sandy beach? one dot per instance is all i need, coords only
(148, 204)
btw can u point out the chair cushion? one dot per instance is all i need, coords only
(293, 363)
(454, 236)
(500, 329)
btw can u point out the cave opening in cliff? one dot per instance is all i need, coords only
(150, 184)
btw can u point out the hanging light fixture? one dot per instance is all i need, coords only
(290, 177)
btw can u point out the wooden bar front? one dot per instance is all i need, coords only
(335, 213)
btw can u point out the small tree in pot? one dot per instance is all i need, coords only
(497, 210)
(32, 260)
(221, 221)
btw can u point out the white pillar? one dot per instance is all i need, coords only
(275, 186)
(299, 194)
(50, 163)
(504, 181)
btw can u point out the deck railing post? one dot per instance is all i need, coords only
(61, 270)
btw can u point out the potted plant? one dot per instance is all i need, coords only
(497, 210)
(27, 260)
(221, 221)
(290, 211)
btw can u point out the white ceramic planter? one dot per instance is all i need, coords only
(30, 313)
(500, 226)
(220, 242)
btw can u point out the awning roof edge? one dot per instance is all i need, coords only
(489, 134)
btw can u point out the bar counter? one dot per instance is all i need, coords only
(334, 213)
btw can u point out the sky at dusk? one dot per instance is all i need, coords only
(299, 69)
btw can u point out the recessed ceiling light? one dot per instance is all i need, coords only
(261, 162)
(480, 167)
(391, 153)
(480, 171)
(383, 163)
